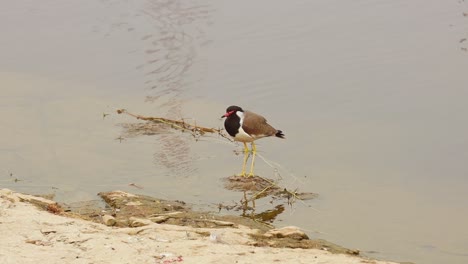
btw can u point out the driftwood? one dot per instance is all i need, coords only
(176, 124)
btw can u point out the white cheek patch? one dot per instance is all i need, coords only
(240, 115)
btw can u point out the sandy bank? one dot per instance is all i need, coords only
(31, 235)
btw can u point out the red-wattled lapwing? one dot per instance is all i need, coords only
(246, 126)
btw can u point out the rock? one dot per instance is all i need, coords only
(286, 232)
(15, 197)
(5, 192)
(137, 203)
(47, 231)
(159, 219)
(221, 223)
(108, 220)
(137, 222)
(9, 196)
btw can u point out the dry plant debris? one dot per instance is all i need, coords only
(181, 125)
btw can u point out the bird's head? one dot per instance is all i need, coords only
(232, 110)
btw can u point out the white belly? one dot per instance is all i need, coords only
(242, 136)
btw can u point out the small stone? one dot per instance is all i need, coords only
(108, 220)
(159, 219)
(287, 232)
(48, 231)
(353, 251)
(221, 223)
(137, 203)
(137, 222)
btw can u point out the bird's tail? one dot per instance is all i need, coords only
(279, 134)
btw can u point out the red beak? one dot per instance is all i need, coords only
(228, 114)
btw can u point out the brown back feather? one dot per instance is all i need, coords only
(255, 124)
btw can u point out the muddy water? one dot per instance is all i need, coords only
(371, 96)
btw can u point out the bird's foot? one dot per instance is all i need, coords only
(245, 175)
(242, 174)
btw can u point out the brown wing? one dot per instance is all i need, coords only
(257, 126)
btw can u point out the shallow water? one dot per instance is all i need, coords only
(370, 94)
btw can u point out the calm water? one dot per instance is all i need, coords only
(370, 94)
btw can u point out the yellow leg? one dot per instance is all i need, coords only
(254, 152)
(246, 156)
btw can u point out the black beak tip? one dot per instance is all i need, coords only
(223, 116)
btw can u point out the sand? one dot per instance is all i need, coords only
(32, 235)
